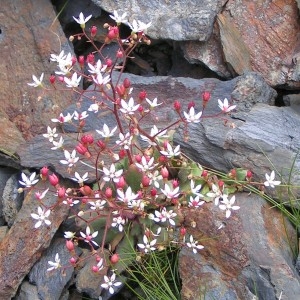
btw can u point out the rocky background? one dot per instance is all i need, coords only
(247, 51)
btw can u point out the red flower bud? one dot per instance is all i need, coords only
(52, 79)
(164, 172)
(119, 54)
(204, 173)
(142, 95)
(95, 269)
(183, 231)
(73, 60)
(221, 184)
(101, 145)
(177, 106)
(86, 190)
(109, 62)
(232, 173)
(175, 183)
(98, 258)
(121, 183)
(114, 258)
(122, 153)
(53, 179)
(70, 245)
(126, 83)
(145, 181)
(81, 149)
(72, 260)
(81, 61)
(90, 58)
(44, 172)
(138, 158)
(61, 192)
(249, 174)
(113, 33)
(162, 159)
(87, 139)
(120, 89)
(61, 78)
(153, 192)
(140, 109)
(93, 31)
(85, 199)
(205, 96)
(108, 192)
(191, 104)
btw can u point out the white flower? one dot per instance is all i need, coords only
(51, 134)
(128, 107)
(195, 189)
(110, 283)
(118, 18)
(88, 237)
(112, 174)
(106, 133)
(73, 82)
(36, 82)
(58, 58)
(193, 244)
(118, 222)
(97, 205)
(170, 194)
(40, 196)
(41, 216)
(154, 133)
(153, 103)
(191, 117)
(82, 20)
(195, 202)
(54, 265)
(127, 196)
(139, 26)
(155, 178)
(216, 193)
(170, 152)
(225, 107)
(97, 68)
(71, 158)
(94, 107)
(147, 246)
(163, 216)
(70, 201)
(100, 80)
(69, 235)
(136, 204)
(124, 141)
(227, 205)
(270, 180)
(80, 179)
(80, 116)
(28, 181)
(146, 165)
(63, 119)
(100, 265)
(65, 65)
(58, 145)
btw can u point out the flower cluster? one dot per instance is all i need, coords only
(134, 186)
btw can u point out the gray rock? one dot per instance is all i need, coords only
(28, 291)
(11, 199)
(179, 20)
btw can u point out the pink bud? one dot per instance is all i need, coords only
(108, 192)
(126, 83)
(177, 106)
(175, 183)
(52, 79)
(61, 78)
(86, 190)
(61, 192)
(183, 231)
(90, 58)
(119, 54)
(81, 149)
(205, 96)
(120, 89)
(73, 60)
(81, 60)
(101, 145)
(72, 260)
(121, 183)
(164, 172)
(93, 31)
(85, 200)
(145, 181)
(221, 184)
(53, 179)
(249, 174)
(95, 269)
(44, 172)
(70, 245)
(87, 139)
(109, 62)
(204, 173)
(114, 258)
(122, 153)
(191, 104)
(153, 192)
(138, 158)
(142, 95)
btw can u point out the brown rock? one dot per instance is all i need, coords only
(29, 34)
(251, 255)
(23, 245)
(262, 36)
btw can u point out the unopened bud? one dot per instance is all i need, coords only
(121, 183)
(86, 190)
(164, 172)
(145, 181)
(53, 179)
(153, 192)
(191, 104)
(81, 60)
(205, 96)
(142, 95)
(126, 83)
(177, 106)
(204, 173)
(108, 192)
(52, 79)
(119, 54)
(70, 245)
(61, 192)
(114, 258)
(249, 174)
(93, 31)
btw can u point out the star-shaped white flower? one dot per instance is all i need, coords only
(37, 82)
(100, 80)
(97, 68)
(146, 165)
(124, 140)
(147, 246)
(112, 174)
(82, 20)
(270, 180)
(216, 193)
(51, 134)
(88, 237)
(191, 117)
(194, 245)
(170, 193)
(28, 181)
(71, 158)
(119, 18)
(153, 103)
(54, 265)
(128, 107)
(225, 107)
(58, 145)
(118, 222)
(58, 58)
(41, 216)
(195, 202)
(127, 196)
(63, 119)
(80, 179)
(170, 151)
(139, 26)
(73, 82)
(94, 107)
(227, 205)
(110, 283)
(106, 132)
(97, 205)
(154, 133)
(80, 116)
